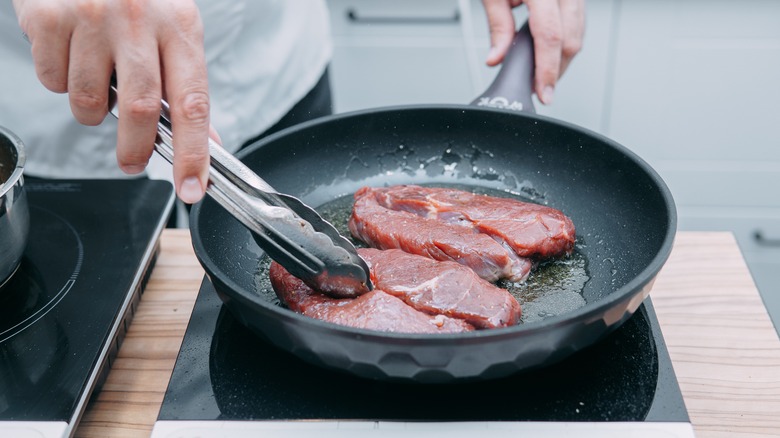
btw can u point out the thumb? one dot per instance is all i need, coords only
(502, 29)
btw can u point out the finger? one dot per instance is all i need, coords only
(573, 24)
(49, 35)
(502, 29)
(187, 91)
(89, 74)
(545, 23)
(139, 93)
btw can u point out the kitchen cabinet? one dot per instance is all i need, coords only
(691, 86)
(399, 52)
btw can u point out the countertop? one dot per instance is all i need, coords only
(724, 348)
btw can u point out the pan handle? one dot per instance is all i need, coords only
(513, 86)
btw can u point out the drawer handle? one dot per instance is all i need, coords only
(354, 17)
(762, 240)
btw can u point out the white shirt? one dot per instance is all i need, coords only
(263, 56)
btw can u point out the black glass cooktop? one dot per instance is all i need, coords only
(90, 248)
(224, 372)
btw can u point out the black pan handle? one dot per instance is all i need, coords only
(513, 86)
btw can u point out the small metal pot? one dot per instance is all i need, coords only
(14, 211)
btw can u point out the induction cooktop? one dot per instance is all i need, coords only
(63, 314)
(229, 382)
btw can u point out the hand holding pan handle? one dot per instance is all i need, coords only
(513, 86)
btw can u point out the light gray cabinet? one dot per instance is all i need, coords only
(397, 53)
(692, 86)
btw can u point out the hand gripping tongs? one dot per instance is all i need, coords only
(289, 231)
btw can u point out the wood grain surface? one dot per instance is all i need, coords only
(725, 351)
(724, 348)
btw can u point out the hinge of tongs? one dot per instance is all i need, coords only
(289, 231)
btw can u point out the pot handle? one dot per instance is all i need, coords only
(513, 86)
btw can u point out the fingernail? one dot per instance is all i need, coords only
(191, 191)
(547, 95)
(492, 56)
(133, 169)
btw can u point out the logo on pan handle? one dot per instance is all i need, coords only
(500, 102)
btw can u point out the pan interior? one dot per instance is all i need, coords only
(621, 214)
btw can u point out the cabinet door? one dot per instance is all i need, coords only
(697, 82)
(397, 53)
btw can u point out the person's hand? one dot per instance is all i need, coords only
(557, 27)
(156, 49)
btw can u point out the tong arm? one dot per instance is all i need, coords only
(290, 232)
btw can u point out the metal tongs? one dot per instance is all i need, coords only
(289, 231)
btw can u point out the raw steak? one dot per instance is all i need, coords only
(441, 287)
(531, 230)
(375, 310)
(383, 228)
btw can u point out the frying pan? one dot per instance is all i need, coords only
(623, 211)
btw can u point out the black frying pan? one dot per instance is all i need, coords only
(623, 211)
